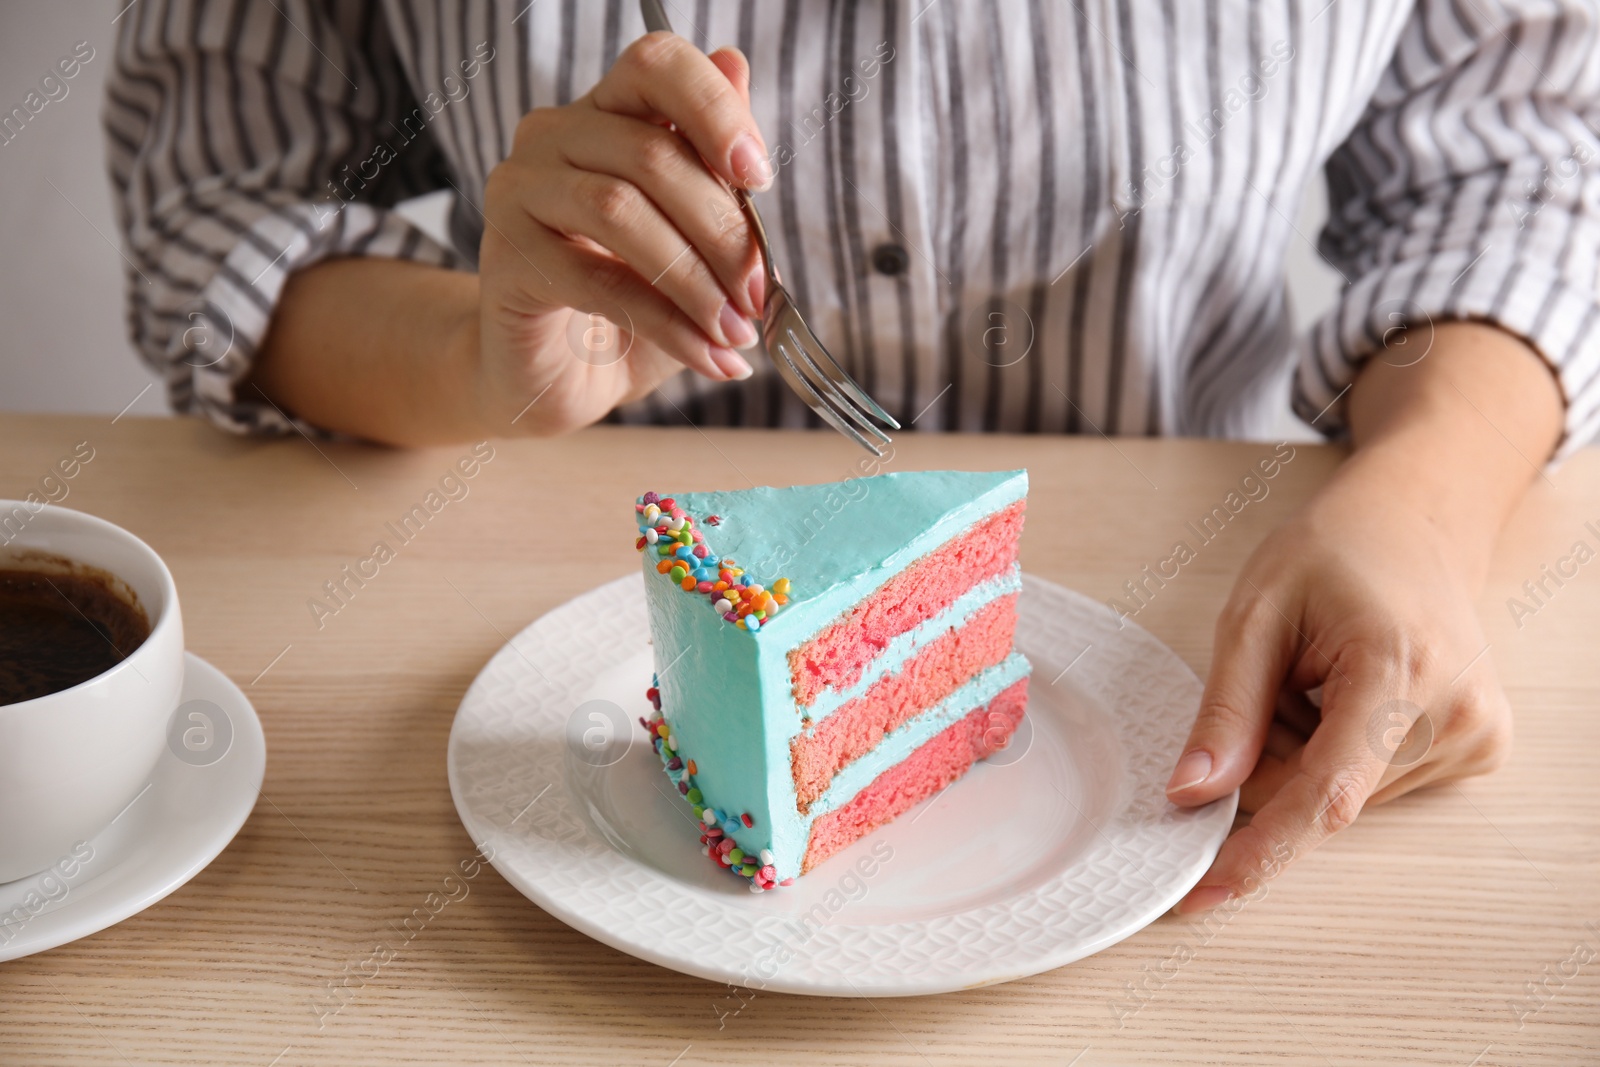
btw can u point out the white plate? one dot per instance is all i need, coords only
(1058, 846)
(203, 789)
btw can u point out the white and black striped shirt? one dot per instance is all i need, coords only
(1019, 215)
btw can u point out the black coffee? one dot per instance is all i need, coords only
(59, 629)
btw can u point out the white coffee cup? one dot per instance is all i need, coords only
(71, 761)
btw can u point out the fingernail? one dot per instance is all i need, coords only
(1192, 769)
(1204, 898)
(735, 327)
(757, 287)
(730, 362)
(749, 165)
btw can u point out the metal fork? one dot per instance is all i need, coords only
(796, 352)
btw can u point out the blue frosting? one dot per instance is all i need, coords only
(726, 690)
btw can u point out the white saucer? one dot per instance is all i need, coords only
(203, 789)
(1058, 846)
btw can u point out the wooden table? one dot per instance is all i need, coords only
(1438, 930)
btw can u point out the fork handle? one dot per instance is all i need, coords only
(748, 203)
(655, 16)
(655, 20)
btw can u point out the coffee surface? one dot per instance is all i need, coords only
(57, 630)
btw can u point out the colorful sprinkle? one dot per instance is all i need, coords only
(716, 827)
(695, 568)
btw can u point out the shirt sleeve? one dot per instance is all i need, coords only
(244, 142)
(1469, 190)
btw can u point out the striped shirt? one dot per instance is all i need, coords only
(1002, 215)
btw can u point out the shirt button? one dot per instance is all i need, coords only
(890, 259)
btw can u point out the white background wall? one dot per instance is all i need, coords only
(63, 346)
(62, 342)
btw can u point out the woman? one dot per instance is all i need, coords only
(1011, 215)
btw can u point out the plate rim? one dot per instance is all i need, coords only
(650, 952)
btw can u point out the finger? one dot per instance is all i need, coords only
(1468, 732)
(667, 170)
(618, 215)
(1433, 770)
(1338, 772)
(735, 68)
(1414, 778)
(663, 76)
(1279, 764)
(563, 273)
(1253, 648)
(610, 282)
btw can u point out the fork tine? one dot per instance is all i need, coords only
(814, 400)
(840, 401)
(836, 374)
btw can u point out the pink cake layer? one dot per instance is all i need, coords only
(836, 656)
(938, 669)
(940, 761)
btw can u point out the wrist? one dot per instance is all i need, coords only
(463, 355)
(1450, 440)
(1410, 486)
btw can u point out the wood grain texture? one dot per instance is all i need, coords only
(1411, 938)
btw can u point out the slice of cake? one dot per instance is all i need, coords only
(827, 656)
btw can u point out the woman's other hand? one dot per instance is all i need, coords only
(1368, 593)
